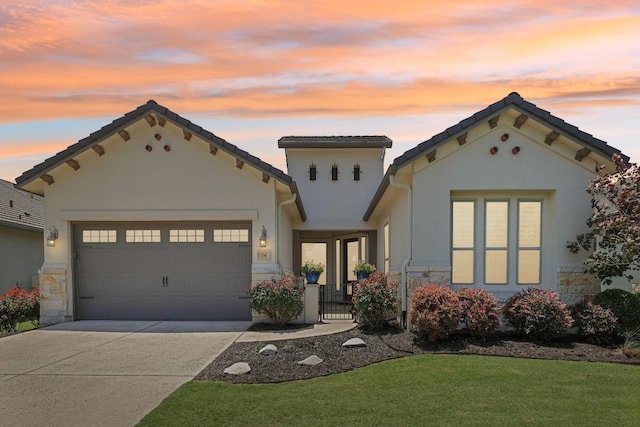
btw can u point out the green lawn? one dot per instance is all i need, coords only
(434, 390)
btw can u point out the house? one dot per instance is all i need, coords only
(157, 218)
(21, 237)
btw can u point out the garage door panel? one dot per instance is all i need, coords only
(165, 280)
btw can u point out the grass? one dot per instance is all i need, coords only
(434, 390)
(22, 327)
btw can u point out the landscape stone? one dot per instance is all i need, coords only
(354, 342)
(238, 368)
(268, 350)
(311, 361)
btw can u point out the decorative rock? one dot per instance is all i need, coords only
(268, 350)
(354, 342)
(238, 368)
(311, 361)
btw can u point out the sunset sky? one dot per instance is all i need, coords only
(253, 71)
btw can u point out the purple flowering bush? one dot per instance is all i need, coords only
(280, 300)
(480, 311)
(434, 311)
(538, 314)
(375, 299)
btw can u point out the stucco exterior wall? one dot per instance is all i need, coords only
(336, 205)
(21, 255)
(129, 183)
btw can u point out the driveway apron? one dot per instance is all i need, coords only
(103, 373)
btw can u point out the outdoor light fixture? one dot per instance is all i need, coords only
(263, 238)
(53, 236)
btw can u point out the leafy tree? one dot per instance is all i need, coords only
(614, 224)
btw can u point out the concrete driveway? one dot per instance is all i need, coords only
(103, 373)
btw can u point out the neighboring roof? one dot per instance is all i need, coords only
(20, 209)
(141, 112)
(334, 142)
(513, 100)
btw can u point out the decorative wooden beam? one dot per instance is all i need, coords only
(239, 163)
(74, 164)
(98, 149)
(431, 156)
(47, 178)
(551, 136)
(462, 139)
(582, 153)
(187, 135)
(150, 120)
(124, 135)
(520, 121)
(213, 149)
(161, 121)
(265, 178)
(494, 121)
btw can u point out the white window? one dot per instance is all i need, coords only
(507, 247)
(143, 236)
(386, 247)
(99, 236)
(186, 236)
(230, 235)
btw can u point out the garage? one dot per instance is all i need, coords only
(163, 270)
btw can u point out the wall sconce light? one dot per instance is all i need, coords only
(53, 236)
(312, 172)
(356, 172)
(263, 238)
(334, 172)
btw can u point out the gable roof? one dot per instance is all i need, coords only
(514, 101)
(19, 209)
(334, 142)
(142, 112)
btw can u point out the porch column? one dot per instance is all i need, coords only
(311, 303)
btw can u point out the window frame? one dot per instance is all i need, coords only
(540, 240)
(475, 243)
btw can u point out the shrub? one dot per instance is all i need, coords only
(280, 300)
(631, 346)
(434, 311)
(374, 300)
(595, 324)
(480, 311)
(17, 306)
(537, 313)
(625, 307)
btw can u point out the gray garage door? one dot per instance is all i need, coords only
(163, 271)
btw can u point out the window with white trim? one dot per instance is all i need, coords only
(99, 236)
(504, 248)
(231, 235)
(143, 236)
(186, 236)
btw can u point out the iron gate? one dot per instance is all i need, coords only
(335, 304)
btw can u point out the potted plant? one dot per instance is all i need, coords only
(312, 271)
(363, 270)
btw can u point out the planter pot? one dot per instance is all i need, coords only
(362, 275)
(312, 277)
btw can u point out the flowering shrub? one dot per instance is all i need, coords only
(434, 311)
(537, 313)
(280, 300)
(374, 300)
(312, 266)
(479, 311)
(624, 305)
(595, 324)
(17, 306)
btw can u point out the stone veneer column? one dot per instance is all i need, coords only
(54, 299)
(574, 284)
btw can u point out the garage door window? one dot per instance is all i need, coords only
(230, 235)
(186, 236)
(143, 236)
(99, 236)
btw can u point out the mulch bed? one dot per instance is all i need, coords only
(384, 345)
